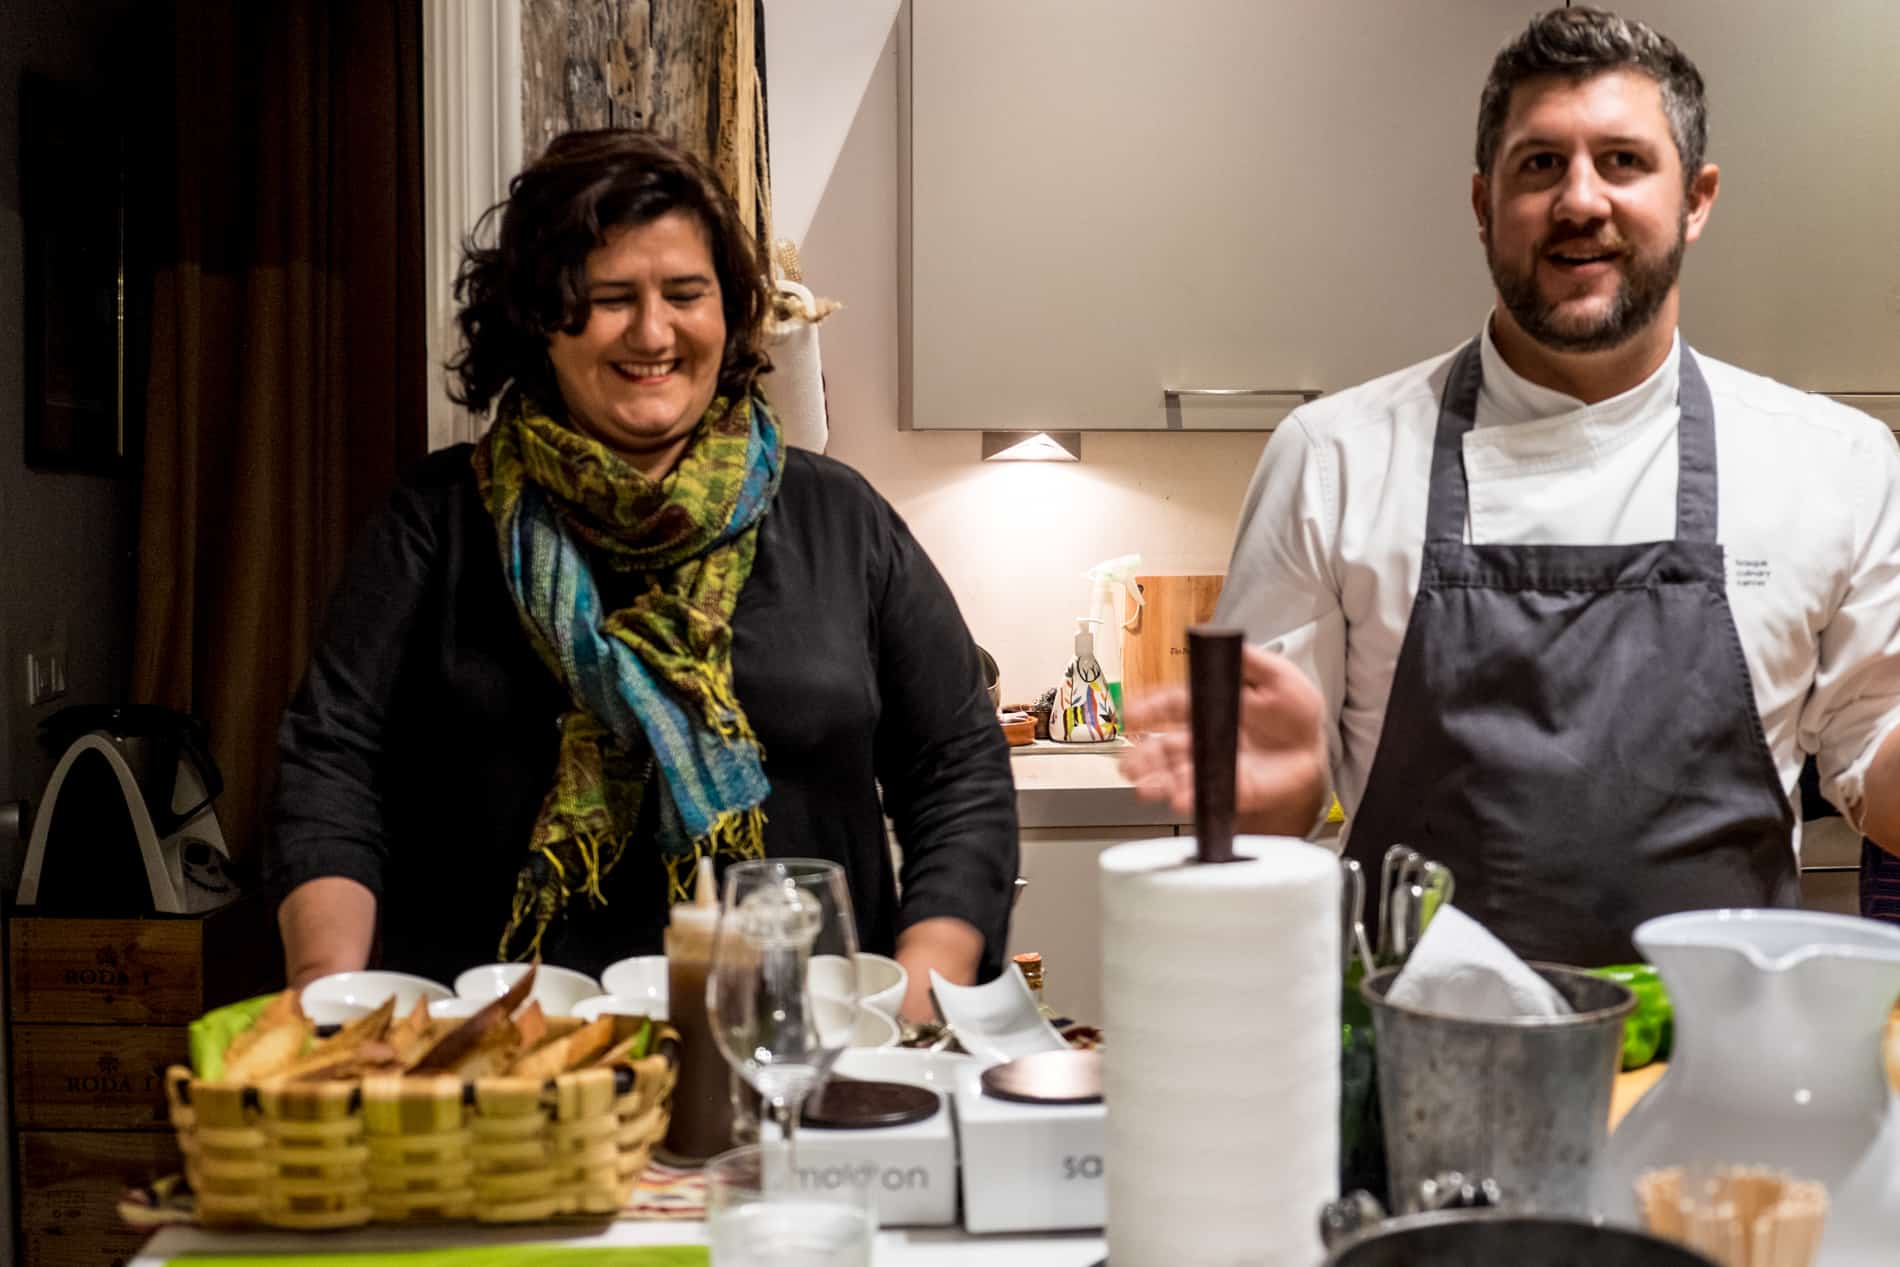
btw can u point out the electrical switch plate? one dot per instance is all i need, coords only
(45, 676)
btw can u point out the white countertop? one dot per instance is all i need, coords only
(920, 1247)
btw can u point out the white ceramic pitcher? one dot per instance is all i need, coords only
(1779, 1020)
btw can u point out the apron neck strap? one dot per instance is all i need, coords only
(1458, 413)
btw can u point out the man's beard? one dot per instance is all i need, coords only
(1639, 295)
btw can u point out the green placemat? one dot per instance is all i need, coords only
(476, 1256)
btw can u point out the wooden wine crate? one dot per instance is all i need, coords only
(97, 1010)
(94, 1077)
(159, 970)
(70, 1183)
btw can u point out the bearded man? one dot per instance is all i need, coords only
(1567, 607)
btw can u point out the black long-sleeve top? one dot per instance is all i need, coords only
(416, 754)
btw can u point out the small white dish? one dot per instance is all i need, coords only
(556, 989)
(342, 997)
(881, 980)
(937, 1070)
(328, 1012)
(641, 977)
(456, 1008)
(997, 1021)
(844, 1024)
(620, 1005)
(875, 1030)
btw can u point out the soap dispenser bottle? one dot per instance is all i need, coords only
(1084, 711)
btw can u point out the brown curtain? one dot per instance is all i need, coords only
(287, 380)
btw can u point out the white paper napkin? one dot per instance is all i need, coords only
(1459, 969)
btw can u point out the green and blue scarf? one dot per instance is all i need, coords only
(651, 682)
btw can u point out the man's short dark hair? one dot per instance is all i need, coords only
(1578, 43)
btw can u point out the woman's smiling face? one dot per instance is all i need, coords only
(642, 371)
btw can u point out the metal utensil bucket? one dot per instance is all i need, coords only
(1525, 1102)
(1496, 1238)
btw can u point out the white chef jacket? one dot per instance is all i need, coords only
(1326, 560)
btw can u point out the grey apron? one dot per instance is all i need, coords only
(1572, 728)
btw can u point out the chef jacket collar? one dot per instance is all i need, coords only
(1509, 397)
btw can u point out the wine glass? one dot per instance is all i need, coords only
(780, 1034)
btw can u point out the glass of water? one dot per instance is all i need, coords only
(760, 1214)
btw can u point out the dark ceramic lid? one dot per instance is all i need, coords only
(851, 1104)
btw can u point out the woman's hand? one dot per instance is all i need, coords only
(945, 943)
(1280, 775)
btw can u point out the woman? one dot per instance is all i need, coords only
(628, 628)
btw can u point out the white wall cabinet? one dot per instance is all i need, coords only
(1798, 274)
(1110, 197)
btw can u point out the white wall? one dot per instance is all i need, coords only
(1011, 538)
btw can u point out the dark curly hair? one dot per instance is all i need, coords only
(533, 281)
(1581, 42)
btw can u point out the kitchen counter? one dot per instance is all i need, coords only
(909, 1247)
(1082, 789)
(920, 1247)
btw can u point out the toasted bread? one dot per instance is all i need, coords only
(532, 1022)
(272, 1043)
(369, 1056)
(492, 1054)
(625, 1050)
(558, 1055)
(410, 1035)
(364, 1029)
(447, 1053)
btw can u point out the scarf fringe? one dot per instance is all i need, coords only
(724, 715)
(547, 899)
(738, 834)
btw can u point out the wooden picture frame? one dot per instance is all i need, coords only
(73, 220)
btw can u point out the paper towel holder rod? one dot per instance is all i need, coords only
(1214, 729)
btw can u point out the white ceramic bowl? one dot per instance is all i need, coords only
(881, 980)
(327, 1012)
(556, 989)
(872, 1029)
(937, 1070)
(995, 1021)
(641, 978)
(456, 1008)
(342, 997)
(619, 1005)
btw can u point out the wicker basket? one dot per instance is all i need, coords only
(403, 1149)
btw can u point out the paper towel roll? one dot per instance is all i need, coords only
(796, 385)
(1220, 998)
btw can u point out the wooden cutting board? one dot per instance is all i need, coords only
(1154, 647)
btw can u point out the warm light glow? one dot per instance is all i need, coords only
(1039, 446)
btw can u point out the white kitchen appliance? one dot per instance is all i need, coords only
(131, 796)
